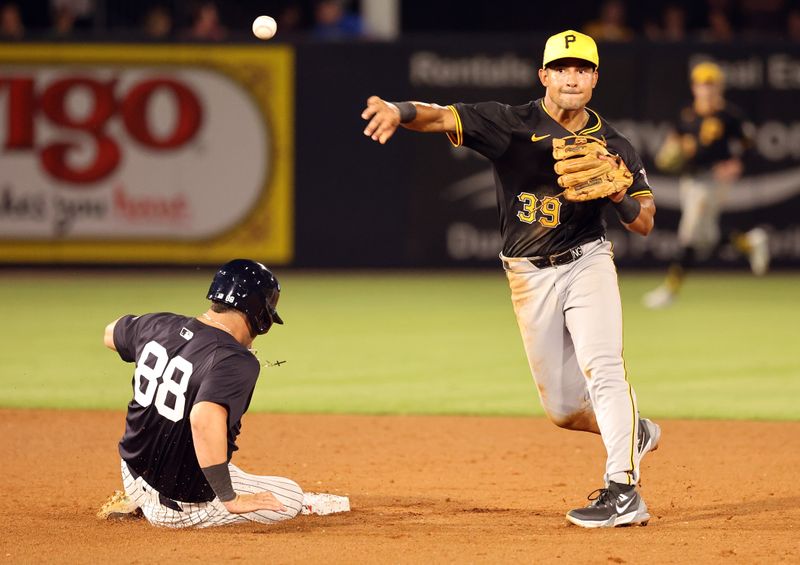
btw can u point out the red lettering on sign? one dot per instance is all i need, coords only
(134, 112)
(150, 208)
(23, 108)
(107, 155)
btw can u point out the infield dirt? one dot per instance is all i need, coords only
(422, 489)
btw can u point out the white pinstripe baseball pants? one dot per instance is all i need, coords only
(214, 513)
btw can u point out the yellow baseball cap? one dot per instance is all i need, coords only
(570, 44)
(708, 73)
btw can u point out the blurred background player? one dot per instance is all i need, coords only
(193, 381)
(706, 149)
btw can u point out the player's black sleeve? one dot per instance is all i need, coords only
(734, 123)
(485, 127)
(683, 124)
(230, 383)
(739, 143)
(125, 334)
(640, 186)
(737, 128)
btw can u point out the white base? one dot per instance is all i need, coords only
(322, 503)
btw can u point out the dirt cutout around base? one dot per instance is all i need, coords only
(422, 489)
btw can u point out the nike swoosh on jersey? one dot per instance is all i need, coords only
(536, 138)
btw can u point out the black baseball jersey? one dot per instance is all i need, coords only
(179, 361)
(716, 136)
(519, 142)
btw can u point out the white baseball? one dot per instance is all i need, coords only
(264, 27)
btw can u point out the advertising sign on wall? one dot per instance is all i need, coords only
(145, 154)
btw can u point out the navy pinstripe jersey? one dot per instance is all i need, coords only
(179, 361)
(518, 140)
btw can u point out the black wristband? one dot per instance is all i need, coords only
(408, 112)
(219, 477)
(628, 209)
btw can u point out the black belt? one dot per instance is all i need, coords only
(561, 258)
(169, 503)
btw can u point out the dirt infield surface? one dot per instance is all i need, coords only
(423, 490)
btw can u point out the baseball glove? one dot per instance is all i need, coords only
(583, 174)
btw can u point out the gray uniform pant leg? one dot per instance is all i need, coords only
(701, 203)
(570, 319)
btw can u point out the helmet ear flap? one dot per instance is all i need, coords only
(261, 326)
(272, 304)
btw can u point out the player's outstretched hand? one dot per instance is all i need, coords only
(383, 117)
(251, 502)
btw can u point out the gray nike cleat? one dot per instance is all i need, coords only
(617, 505)
(649, 437)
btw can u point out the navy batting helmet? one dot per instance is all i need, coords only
(250, 288)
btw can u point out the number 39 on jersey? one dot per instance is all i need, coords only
(546, 211)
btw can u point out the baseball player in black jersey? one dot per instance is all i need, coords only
(558, 263)
(193, 381)
(706, 149)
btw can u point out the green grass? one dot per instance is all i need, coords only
(412, 343)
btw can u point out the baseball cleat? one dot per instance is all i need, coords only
(617, 505)
(649, 437)
(119, 506)
(758, 241)
(659, 298)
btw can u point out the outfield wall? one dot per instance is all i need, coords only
(192, 154)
